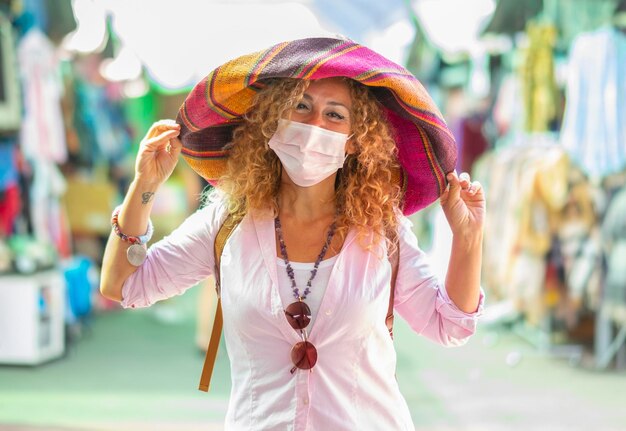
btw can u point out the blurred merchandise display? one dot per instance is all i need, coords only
(64, 144)
(554, 174)
(535, 96)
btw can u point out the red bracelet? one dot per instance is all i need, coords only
(143, 239)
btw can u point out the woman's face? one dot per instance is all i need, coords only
(327, 104)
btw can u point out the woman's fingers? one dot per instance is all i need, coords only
(160, 132)
(174, 147)
(161, 126)
(467, 185)
(158, 152)
(474, 187)
(162, 140)
(454, 183)
(464, 180)
(461, 186)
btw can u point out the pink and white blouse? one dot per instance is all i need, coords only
(353, 384)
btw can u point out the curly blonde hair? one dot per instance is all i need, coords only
(365, 193)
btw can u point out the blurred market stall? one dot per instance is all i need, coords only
(534, 90)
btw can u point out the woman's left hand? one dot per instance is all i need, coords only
(463, 204)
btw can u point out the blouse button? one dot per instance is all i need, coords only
(329, 312)
(305, 400)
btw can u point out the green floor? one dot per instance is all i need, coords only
(133, 371)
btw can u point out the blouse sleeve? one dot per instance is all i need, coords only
(178, 261)
(421, 298)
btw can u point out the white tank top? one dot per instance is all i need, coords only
(302, 272)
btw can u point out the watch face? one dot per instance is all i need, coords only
(136, 254)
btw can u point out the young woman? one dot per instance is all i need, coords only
(321, 156)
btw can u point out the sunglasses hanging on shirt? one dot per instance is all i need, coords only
(298, 314)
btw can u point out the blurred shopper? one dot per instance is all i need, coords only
(317, 147)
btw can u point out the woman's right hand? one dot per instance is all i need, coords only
(158, 153)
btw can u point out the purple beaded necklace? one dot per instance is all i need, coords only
(283, 251)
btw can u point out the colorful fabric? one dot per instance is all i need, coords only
(8, 164)
(426, 147)
(10, 207)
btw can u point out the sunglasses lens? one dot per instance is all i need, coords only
(298, 315)
(304, 355)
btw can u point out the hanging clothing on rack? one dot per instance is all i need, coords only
(580, 245)
(10, 202)
(542, 246)
(42, 135)
(526, 186)
(98, 120)
(8, 168)
(47, 212)
(594, 125)
(539, 83)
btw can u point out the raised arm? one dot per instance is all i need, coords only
(464, 206)
(156, 160)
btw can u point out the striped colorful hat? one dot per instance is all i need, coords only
(215, 106)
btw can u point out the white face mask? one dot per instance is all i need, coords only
(309, 154)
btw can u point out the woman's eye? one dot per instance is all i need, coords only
(336, 116)
(300, 106)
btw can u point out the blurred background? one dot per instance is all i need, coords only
(535, 93)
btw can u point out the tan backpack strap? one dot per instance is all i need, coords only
(211, 352)
(216, 333)
(394, 259)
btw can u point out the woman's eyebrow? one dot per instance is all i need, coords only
(338, 104)
(333, 103)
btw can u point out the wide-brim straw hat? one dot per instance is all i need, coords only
(216, 105)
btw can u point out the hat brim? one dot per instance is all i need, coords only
(215, 106)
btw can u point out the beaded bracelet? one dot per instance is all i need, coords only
(143, 239)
